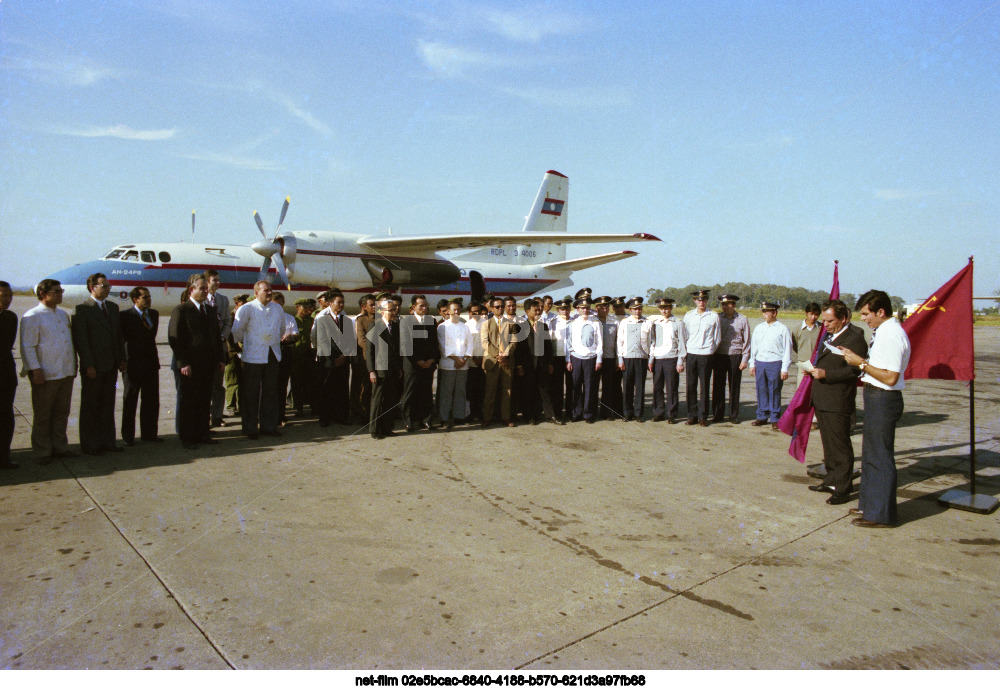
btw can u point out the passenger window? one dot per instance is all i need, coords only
(165, 257)
(148, 257)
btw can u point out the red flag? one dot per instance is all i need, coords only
(798, 416)
(940, 333)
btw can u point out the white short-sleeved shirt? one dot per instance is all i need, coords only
(890, 350)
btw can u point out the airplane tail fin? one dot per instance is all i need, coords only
(548, 214)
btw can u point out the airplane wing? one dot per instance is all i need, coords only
(588, 261)
(435, 243)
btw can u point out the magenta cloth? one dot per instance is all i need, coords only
(798, 416)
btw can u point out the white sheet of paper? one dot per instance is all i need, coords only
(807, 366)
(834, 349)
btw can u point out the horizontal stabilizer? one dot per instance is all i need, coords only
(436, 243)
(589, 261)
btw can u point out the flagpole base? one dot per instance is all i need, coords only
(963, 500)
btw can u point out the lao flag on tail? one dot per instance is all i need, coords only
(940, 333)
(798, 416)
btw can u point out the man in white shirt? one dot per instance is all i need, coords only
(667, 354)
(335, 339)
(455, 341)
(475, 382)
(49, 363)
(633, 358)
(259, 325)
(562, 379)
(584, 357)
(883, 395)
(770, 357)
(701, 326)
(610, 406)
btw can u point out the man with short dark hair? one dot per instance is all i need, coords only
(419, 348)
(221, 304)
(49, 363)
(142, 370)
(882, 371)
(804, 338)
(667, 356)
(333, 338)
(475, 380)
(834, 389)
(535, 365)
(497, 336)
(361, 385)
(194, 338)
(98, 339)
(701, 327)
(385, 368)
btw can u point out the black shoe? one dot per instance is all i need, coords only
(130, 442)
(734, 420)
(691, 422)
(717, 420)
(377, 436)
(822, 487)
(672, 420)
(389, 433)
(640, 420)
(861, 522)
(758, 422)
(591, 420)
(703, 422)
(577, 419)
(556, 420)
(774, 425)
(425, 426)
(627, 418)
(410, 429)
(836, 500)
(659, 418)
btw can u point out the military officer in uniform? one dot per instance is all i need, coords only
(633, 360)
(611, 375)
(667, 353)
(729, 360)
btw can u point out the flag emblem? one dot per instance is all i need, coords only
(553, 207)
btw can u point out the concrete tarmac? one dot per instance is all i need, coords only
(605, 546)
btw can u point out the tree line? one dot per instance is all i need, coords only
(752, 294)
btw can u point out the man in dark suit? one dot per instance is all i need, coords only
(97, 337)
(8, 375)
(419, 348)
(535, 365)
(334, 340)
(834, 389)
(142, 371)
(385, 368)
(194, 338)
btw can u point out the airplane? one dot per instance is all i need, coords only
(517, 264)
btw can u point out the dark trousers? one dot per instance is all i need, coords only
(768, 377)
(474, 386)
(361, 388)
(838, 451)
(332, 404)
(878, 454)
(699, 373)
(561, 389)
(260, 396)
(147, 386)
(634, 386)
(666, 381)
(726, 371)
(418, 396)
(584, 387)
(496, 393)
(611, 389)
(194, 403)
(8, 387)
(97, 410)
(284, 377)
(385, 398)
(535, 399)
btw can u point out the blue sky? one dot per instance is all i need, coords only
(760, 140)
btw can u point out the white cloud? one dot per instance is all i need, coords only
(119, 132)
(242, 162)
(68, 72)
(580, 98)
(305, 116)
(451, 61)
(531, 25)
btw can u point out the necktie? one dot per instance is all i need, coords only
(146, 321)
(104, 310)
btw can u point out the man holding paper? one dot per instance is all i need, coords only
(834, 391)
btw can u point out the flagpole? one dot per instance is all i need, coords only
(970, 500)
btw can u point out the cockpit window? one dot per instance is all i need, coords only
(131, 255)
(148, 257)
(165, 257)
(114, 254)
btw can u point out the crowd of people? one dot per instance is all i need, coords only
(578, 359)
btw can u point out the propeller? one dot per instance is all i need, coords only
(192, 225)
(271, 249)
